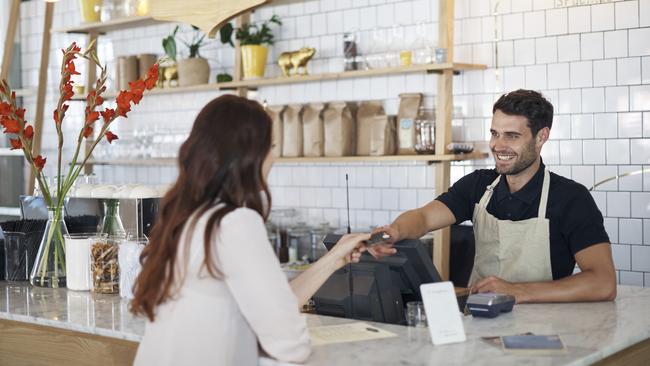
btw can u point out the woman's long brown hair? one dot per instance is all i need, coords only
(220, 163)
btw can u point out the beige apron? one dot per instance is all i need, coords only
(516, 251)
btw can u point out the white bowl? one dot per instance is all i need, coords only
(84, 191)
(144, 192)
(103, 191)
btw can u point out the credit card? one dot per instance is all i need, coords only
(377, 238)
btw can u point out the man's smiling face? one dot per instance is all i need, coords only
(512, 143)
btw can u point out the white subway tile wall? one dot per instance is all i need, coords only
(591, 61)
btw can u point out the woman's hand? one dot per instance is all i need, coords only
(385, 249)
(349, 248)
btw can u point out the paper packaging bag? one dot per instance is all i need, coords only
(365, 114)
(292, 131)
(409, 103)
(276, 112)
(383, 135)
(312, 130)
(340, 129)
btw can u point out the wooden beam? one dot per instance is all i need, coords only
(14, 14)
(239, 69)
(42, 87)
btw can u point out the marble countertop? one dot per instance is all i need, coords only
(591, 331)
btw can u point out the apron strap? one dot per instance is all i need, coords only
(541, 213)
(488, 193)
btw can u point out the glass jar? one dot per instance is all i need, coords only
(425, 137)
(129, 263)
(111, 222)
(299, 242)
(77, 261)
(104, 265)
(16, 258)
(282, 220)
(317, 235)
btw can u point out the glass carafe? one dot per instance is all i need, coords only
(49, 267)
(112, 223)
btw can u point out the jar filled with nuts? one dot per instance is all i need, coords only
(104, 265)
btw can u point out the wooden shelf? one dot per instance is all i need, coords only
(343, 159)
(111, 25)
(457, 67)
(304, 79)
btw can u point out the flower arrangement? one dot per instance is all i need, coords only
(49, 269)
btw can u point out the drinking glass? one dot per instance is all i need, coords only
(415, 315)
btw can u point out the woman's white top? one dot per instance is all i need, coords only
(223, 321)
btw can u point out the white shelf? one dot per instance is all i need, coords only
(5, 151)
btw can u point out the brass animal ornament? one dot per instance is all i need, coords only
(296, 60)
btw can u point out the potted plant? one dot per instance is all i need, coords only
(195, 69)
(252, 39)
(49, 267)
(168, 67)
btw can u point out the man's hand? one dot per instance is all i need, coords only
(385, 249)
(496, 284)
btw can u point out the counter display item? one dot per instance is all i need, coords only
(104, 266)
(339, 127)
(425, 125)
(77, 261)
(409, 104)
(382, 135)
(312, 130)
(366, 127)
(276, 113)
(129, 264)
(292, 141)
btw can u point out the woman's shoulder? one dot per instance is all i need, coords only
(243, 215)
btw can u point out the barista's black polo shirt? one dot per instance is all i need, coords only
(575, 221)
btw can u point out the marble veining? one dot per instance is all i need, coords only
(591, 331)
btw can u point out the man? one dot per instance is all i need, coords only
(530, 226)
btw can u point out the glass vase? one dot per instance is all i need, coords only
(112, 223)
(49, 267)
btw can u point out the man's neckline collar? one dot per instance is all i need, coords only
(528, 193)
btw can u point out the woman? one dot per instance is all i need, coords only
(211, 286)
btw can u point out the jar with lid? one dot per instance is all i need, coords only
(299, 242)
(425, 124)
(128, 258)
(282, 220)
(317, 235)
(104, 264)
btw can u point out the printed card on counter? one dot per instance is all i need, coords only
(444, 319)
(351, 332)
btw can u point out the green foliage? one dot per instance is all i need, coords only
(196, 43)
(225, 34)
(224, 78)
(252, 34)
(169, 45)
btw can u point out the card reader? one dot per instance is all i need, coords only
(489, 304)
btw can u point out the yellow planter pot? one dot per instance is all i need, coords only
(253, 61)
(90, 10)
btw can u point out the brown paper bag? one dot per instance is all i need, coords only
(383, 135)
(340, 129)
(409, 103)
(276, 113)
(312, 130)
(365, 114)
(292, 131)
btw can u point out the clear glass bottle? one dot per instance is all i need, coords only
(49, 267)
(425, 137)
(299, 242)
(317, 235)
(104, 265)
(111, 222)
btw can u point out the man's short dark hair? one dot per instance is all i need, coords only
(529, 104)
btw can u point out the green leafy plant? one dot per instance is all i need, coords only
(196, 43)
(169, 45)
(252, 34)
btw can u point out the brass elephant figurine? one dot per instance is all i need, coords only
(296, 60)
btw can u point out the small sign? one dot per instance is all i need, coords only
(444, 319)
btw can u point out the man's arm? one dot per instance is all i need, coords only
(595, 282)
(413, 224)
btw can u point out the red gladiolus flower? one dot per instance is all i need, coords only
(5, 109)
(124, 103)
(71, 69)
(20, 112)
(92, 117)
(29, 132)
(152, 77)
(111, 136)
(39, 161)
(108, 114)
(67, 91)
(99, 100)
(88, 130)
(15, 144)
(11, 126)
